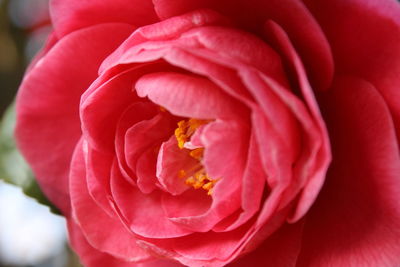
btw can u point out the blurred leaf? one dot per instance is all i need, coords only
(13, 167)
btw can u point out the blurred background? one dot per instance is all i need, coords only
(30, 235)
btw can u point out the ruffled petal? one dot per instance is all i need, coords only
(135, 115)
(117, 240)
(143, 213)
(301, 26)
(314, 161)
(186, 96)
(92, 257)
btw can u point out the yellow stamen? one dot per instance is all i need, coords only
(196, 177)
(201, 180)
(197, 153)
(208, 186)
(186, 129)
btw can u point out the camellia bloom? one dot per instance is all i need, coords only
(212, 133)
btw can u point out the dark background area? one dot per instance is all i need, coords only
(24, 25)
(12, 59)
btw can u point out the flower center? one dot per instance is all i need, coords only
(196, 176)
(186, 128)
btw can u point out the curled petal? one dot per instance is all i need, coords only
(117, 240)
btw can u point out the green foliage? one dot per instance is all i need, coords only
(13, 167)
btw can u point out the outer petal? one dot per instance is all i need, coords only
(91, 257)
(117, 240)
(356, 220)
(48, 126)
(281, 249)
(71, 15)
(365, 41)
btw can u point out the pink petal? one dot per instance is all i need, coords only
(365, 41)
(98, 173)
(158, 263)
(90, 256)
(50, 42)
(117, 240)
(143, 213)
(280, 249)
(186, 96)
(253, 183)
(100, 117)
(315, 161)
(355, 220)
(146, 170)
(210, 246)
(137, 113)
(222, 161)
(48, 126)
(189, 203)
(101, 108)
(306, 34)
(232, 44)
(172, 159)
(69, 16)
(163, 30)
(218, 249)
(145, 135)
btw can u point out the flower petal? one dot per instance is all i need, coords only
(172, 159)
(253, 186)
(117, 240)
(365, 41)
(143, 213)
(48, 125)
(301, 26)
(316, 154)
(186, 96)
(355, 220)
(280, 249)
(71, 15)
(90, 256)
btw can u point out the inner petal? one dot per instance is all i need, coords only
(171, 160)
(186, 95)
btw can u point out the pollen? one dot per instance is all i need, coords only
(196, 176)
(201, 180)
(186, 128)
(197, 153)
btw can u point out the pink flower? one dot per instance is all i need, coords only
(196, 132)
